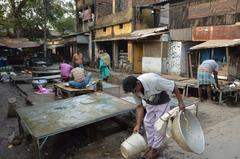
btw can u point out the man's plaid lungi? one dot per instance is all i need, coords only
(205, 78)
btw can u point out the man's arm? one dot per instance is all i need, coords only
(73, 59)
(139, 117)
(71, 75)
(215, 73)
(179, 98)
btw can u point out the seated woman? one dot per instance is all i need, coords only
(65, 69)
(79, 78)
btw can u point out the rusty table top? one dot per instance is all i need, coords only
(64, 115)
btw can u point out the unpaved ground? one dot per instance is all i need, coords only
(221, 130)
(220, 124)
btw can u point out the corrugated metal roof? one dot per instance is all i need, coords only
(139, 34)
(18, 43)
(216, 44)
(111, 39)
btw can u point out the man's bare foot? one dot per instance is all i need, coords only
(152, 154)
(146, 152)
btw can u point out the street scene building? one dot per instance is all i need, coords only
(114, 79)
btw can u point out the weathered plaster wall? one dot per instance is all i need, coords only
(126, 29)
(177, 62)
(152, 64)
(174, 58)
(100, 33)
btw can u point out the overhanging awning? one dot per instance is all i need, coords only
(111, 39)
(144, 33)
(216, 44)
(139, 34)
(18, 43)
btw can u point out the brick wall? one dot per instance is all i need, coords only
(103, 8)
(191, 13)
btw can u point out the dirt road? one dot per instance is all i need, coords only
(220, 124)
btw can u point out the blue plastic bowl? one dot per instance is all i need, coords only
(36, 83)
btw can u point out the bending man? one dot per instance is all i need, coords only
(154, 90)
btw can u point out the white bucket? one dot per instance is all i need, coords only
(133, 145)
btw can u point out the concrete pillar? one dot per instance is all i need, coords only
(90, 47)
(115, 54)
(113, 6)
(130, 51)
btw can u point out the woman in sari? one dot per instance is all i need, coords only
(104, 65)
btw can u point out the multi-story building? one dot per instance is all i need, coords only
(81, 40)
(211, 22)
(130, 31)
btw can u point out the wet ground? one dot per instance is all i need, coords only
(219, 122)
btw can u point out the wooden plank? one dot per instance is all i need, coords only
(174, 77)
(51, 77)
(29, 78)
(46, 72)
(63, 86)
(61, 89)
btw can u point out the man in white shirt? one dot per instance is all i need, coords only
(79, 78)
(205, 78)
(154, 90)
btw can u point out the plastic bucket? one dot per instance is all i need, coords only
(133, 145)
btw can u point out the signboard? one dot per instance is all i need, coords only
(82, 39)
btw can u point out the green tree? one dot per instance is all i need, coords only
(65, 25)
(27, 17)
(16, 8)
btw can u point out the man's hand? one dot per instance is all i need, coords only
(136, 128)
(181, 106)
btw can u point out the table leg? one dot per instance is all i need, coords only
(119, 91)
(20, 128)
(184, 92)
(187, 91)
(220, 97)
(39, 146)
(236, 96)
(197, 104)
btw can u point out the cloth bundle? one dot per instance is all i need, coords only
(42, 90)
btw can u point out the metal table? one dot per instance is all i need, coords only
(68, 114)
(45, 72)
(27, 78)
(227, 92)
